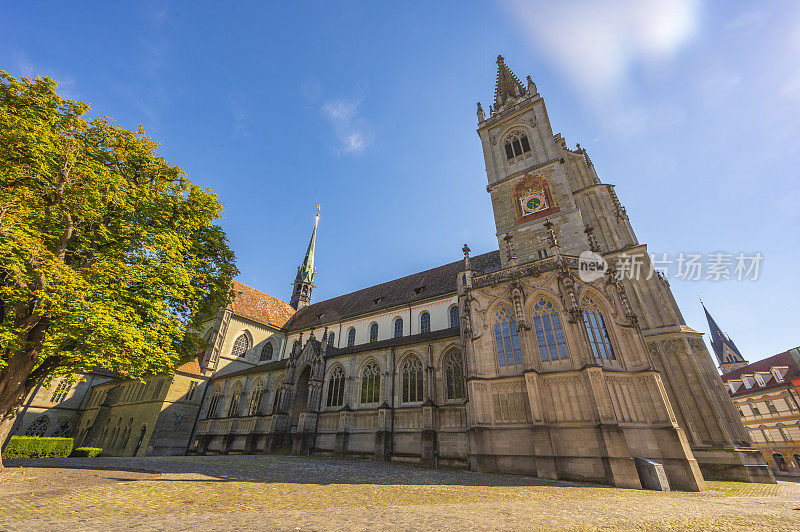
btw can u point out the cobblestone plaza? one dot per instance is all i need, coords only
(298, 493)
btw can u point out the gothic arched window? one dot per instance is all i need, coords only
(398, 327)
(373, 332)
(517, 144)
(506, 338)
(266, 352)
(412, 380)
(454, 375)
(454, 318)
(38, 427)
(331, 338)
(549, 334)
(336, 387)
(370, 383)
(425, 322)
(276, 402)
(351, 337)
(62, 431)
(213, 403)
(596, 328)
(233, 409)
(60, 393)
(255, 398)
(240, 346)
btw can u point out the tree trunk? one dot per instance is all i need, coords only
(6, 424)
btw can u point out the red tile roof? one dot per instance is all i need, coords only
(191, 367)
(260, 307)
(781, 359)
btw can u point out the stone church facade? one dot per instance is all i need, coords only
(507, 361)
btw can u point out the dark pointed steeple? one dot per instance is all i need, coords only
(304, 280)
(727, 353)
(508, 85)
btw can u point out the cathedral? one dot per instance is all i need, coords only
(506, 361)
(510, 361)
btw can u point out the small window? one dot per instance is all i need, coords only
(771, 407)
(351, 337)
(760, 380)
(331, 339)
(240, 346)
(756, 411)
(746, 383)
(398, 328)
(373, 332)
(266, 352)
(192, 388)
(784, 434)
(542, 253)
(425, 322)
(454, 316)
(464, 278)
(777, 374)
(213, 404)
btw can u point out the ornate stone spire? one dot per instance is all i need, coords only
(304, 281)
(508, 85)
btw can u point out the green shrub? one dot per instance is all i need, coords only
(91, 452)
(37, 447)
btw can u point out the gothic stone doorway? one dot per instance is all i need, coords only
(301, 396)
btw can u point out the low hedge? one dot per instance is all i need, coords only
(90, 452)
(37, 447)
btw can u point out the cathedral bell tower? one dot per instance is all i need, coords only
(304, 280)
(526, 172)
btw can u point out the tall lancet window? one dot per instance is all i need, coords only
(236, 397)
(412, 380)
(255, 398)
(351, 337)
(336, 387)
(398, 328)
(454, 375)
(371, 383)
(549, 334)
(506, 338)
(596, 329)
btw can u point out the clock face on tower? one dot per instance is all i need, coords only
(533, 202)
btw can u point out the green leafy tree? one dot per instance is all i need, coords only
(109, 255)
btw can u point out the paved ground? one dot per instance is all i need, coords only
(292, 493)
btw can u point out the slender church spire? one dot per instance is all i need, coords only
(508, 85)
(727, 353)
(304, 280)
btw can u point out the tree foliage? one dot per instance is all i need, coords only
(109, 255)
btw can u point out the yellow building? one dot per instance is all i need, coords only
(770, 408)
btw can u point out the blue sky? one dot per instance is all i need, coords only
(692, 109)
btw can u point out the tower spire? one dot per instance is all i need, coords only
(726, 351)
(304, 280)
(508, 85)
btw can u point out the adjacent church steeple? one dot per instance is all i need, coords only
(304, 281)
(727, 353)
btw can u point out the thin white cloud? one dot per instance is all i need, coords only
(598, 43)
(350, 129)
(25, 67)
(748, 20)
